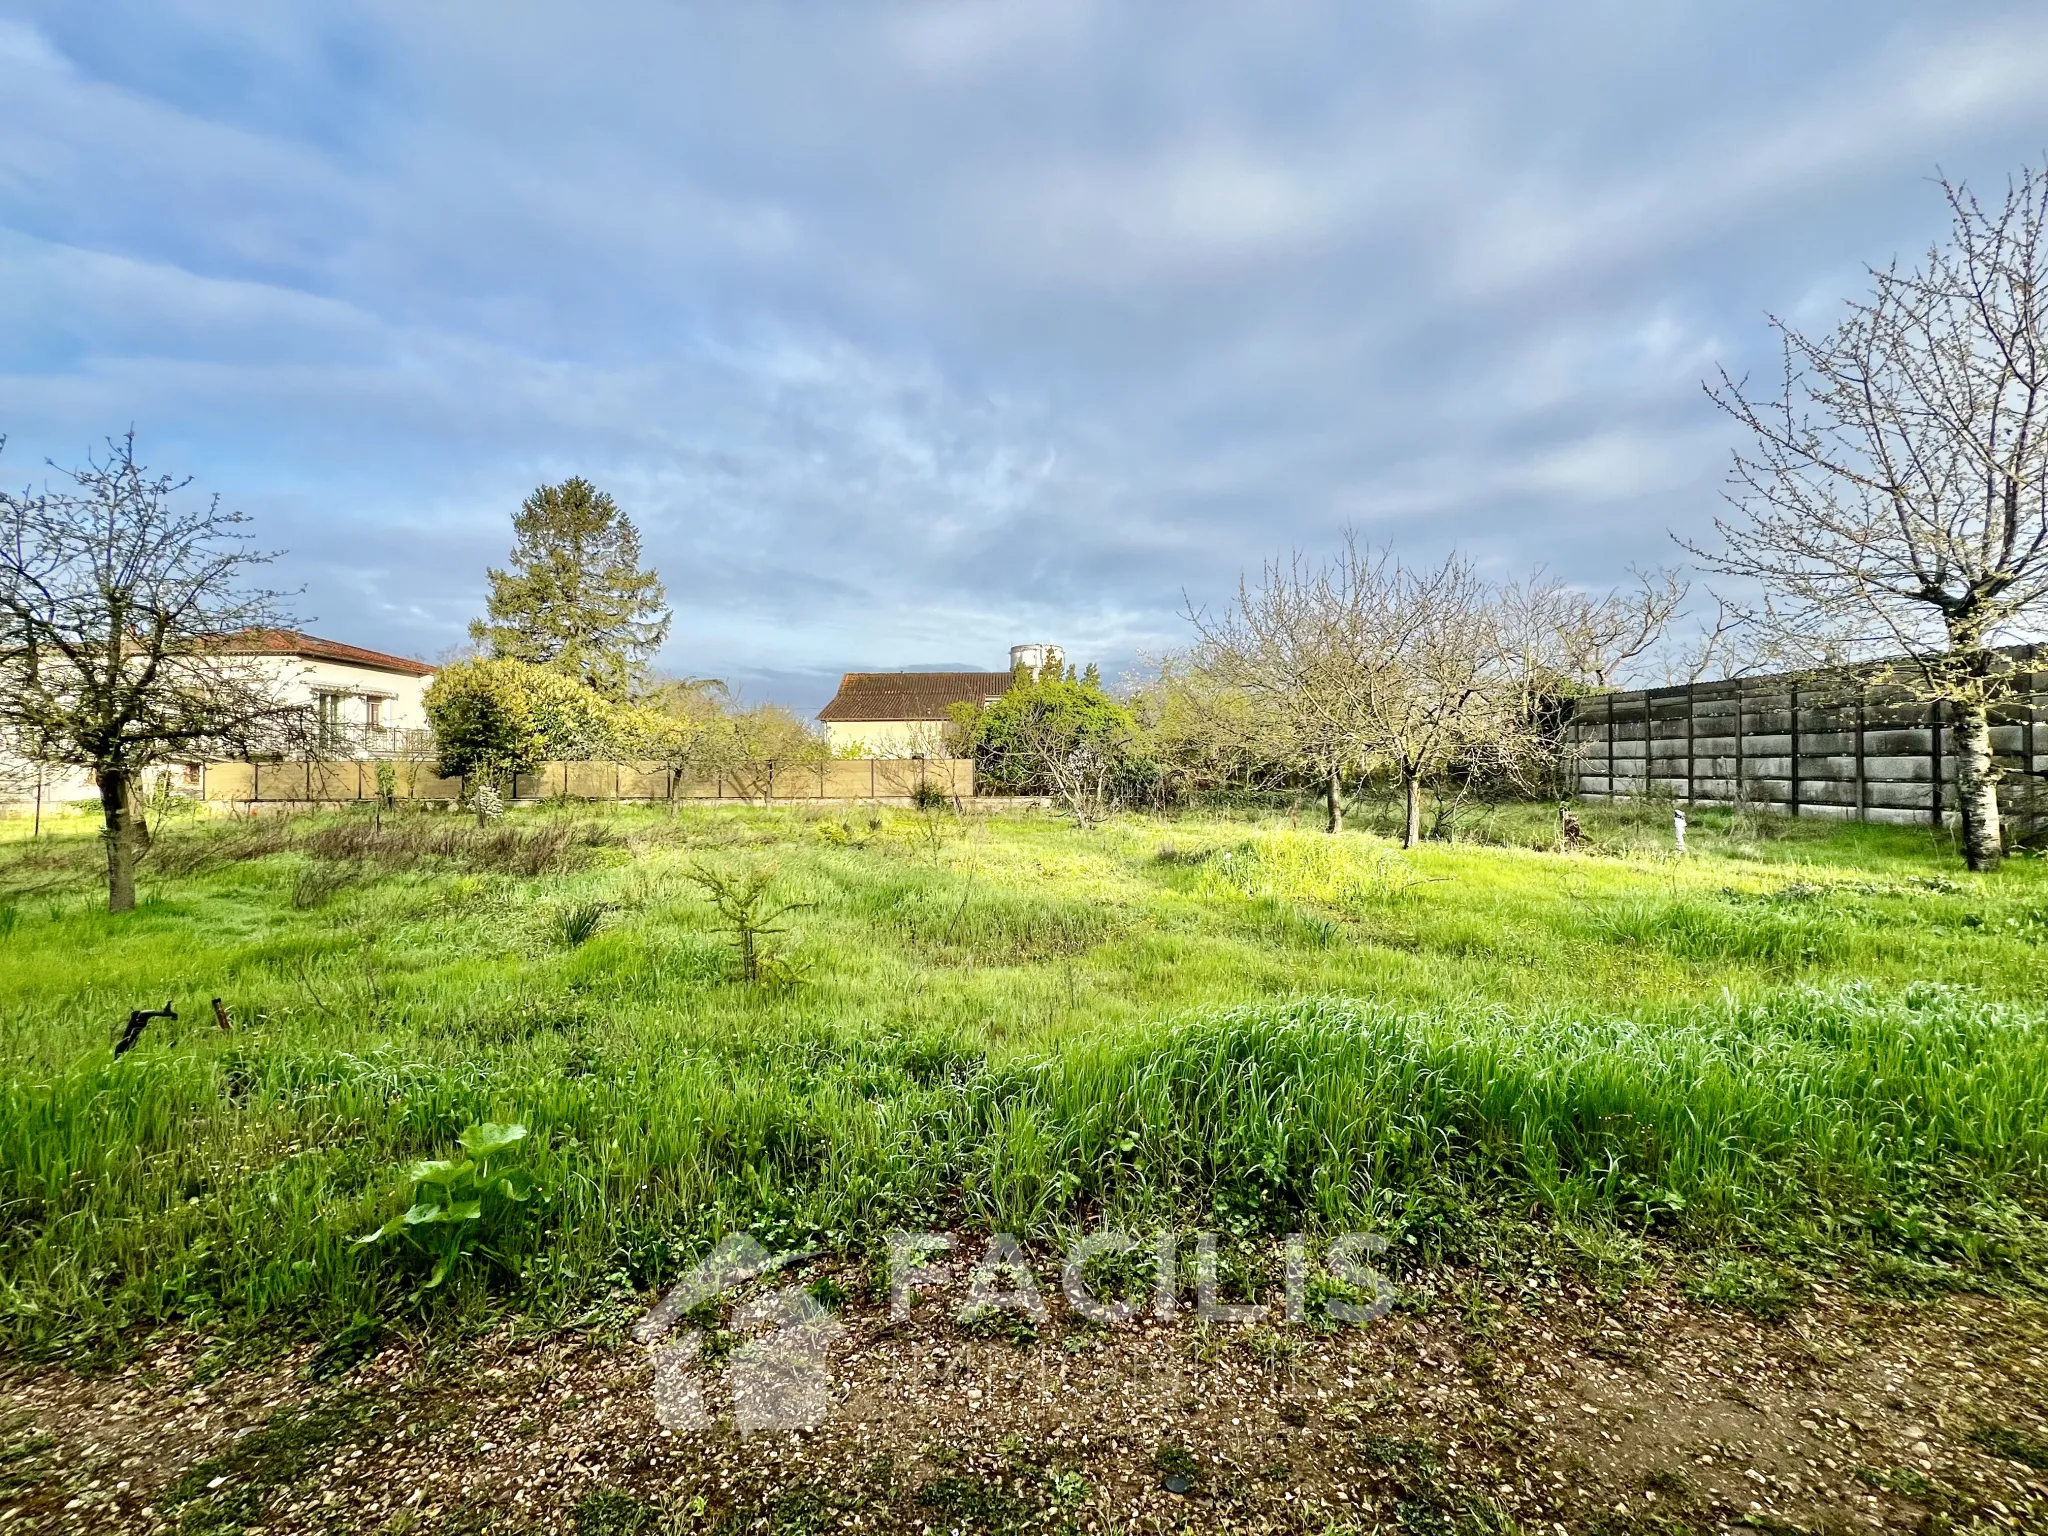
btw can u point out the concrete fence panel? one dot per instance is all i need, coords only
(1830, 745)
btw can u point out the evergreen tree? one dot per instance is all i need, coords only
(575, 598)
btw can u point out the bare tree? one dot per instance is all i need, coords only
(21, 775)
(1894, 498)
(1364, 660)
(1433, 678)
(115, 603)
(1075, 766)
(1284, 645)
(691, 716)
(1585, 642)
(1204, 732)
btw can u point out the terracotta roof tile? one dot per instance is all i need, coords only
(291, 642)
(910, 695)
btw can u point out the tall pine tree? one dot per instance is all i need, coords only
(575, 598)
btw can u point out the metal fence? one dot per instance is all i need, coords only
(1812, 745)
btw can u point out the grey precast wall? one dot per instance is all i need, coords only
(1844, 744)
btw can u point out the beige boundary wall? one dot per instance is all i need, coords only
(234, 785)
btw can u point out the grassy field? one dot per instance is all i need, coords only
(1803, 1048)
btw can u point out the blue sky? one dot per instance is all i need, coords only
(907, 331)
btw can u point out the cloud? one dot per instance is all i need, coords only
(22, 44)
(907, 332)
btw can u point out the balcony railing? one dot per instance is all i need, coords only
(354, 740)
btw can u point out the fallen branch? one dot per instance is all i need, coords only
(137, 1022)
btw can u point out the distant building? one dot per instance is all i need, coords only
(905, 714)
(365, 704)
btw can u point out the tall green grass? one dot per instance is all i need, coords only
(1008, 1024)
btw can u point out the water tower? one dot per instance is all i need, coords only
(1036, 658)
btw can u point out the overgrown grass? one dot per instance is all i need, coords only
(1824, 1047)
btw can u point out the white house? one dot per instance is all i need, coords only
(905, 714)
(367, 704)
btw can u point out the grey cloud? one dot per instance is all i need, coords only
(907, 331)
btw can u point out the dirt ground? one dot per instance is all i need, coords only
(1484, 1412)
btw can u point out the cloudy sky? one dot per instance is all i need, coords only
(907, 331)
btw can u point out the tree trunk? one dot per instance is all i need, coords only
(125, 836)
(1411, 791)
(1333, 799)
(1977, 779)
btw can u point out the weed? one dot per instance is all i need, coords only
(614, 1512)
(24, 1456)
(1178, 1467)
(345, 1349)
(454, 1200)
(988, 1322)
(1272, 1347)
(314, 885)
(1749, 1284)
(577, 923)
(974, 1504)
(1471, 1066)
(1070, 1488)
(227, 1492)
(2028, 1450)
(1399, 1451)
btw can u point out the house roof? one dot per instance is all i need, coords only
(911, 695)
(292, 642)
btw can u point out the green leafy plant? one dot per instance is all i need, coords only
(455, 1200)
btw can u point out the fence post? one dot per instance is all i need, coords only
(1691, 702)
(1740, 794)
(1862, 724)
(1610, 749)
(1793, 698)
(2033, 782)
(1934, 761)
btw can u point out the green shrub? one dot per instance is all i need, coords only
(1040, 723)
(493, 719)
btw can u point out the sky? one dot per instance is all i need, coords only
(907, 332)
